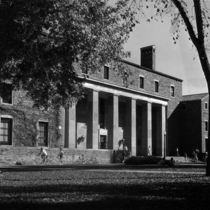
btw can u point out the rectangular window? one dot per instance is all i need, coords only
(142, 82)
(206, 105)
(206, 125)
(6, 131)
(43, 134)
(206, 144)
(6, 93)
(103, 144)
(106, 72)
(156, 86)
(172, 91)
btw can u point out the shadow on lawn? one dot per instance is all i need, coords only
(162, 196)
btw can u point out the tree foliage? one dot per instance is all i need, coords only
(43, 41)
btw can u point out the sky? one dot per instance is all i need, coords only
(172, 59)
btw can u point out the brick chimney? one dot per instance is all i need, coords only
(148, 57)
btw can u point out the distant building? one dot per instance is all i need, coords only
(140, 111)
(194, 123)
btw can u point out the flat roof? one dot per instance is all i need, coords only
(194, 97)
(152, 71)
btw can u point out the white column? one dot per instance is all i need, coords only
(70, 127)
(133, 127)
(146, 128)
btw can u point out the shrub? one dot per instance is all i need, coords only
(142, 160)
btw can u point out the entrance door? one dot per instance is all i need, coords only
(103, 144)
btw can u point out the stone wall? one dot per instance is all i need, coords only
(28, 155)
(25, 121)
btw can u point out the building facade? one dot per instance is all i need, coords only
(194, 123)
(143, 111)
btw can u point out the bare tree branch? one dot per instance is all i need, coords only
(187, 22)
(199, 20)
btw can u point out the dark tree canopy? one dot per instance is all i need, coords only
(42, 40)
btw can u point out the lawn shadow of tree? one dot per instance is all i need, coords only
(163, 195)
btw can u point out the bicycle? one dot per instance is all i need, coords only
(40, 161)
(49, 161)
(80, 160)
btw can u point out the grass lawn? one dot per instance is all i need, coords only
(160, 188)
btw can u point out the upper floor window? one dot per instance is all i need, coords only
(43, 134)
(6, 131)
(6, 93)
(106, 72)
(141, 82)
(206, 105)
(172, 90)
(156, 86)
(206, 125)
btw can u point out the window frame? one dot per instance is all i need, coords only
(156, 86)
(11, 92)
(8, 120)
(206, 125)
(172, 91)
(141, 85)
(106, 72)
(46, 134)
(206, 105)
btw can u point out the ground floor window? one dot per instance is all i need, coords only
(43, 134)
(6, 131)
(103, 144)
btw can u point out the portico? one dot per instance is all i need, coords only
(109, 113)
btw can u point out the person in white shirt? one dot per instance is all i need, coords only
(43, 154)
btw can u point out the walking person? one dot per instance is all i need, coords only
(60, 155)
(149, 151)
(177, 151)
(185, 156)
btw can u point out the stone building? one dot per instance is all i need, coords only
(143, 111)
(140, 113)
(193, 123)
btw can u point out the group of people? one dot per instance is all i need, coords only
(44, 155)
(195, 154)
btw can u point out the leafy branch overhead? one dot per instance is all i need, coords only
(42, 40)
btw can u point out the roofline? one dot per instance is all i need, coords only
(153, 71)
(195, 99)
(194, 94)
(125, 89)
